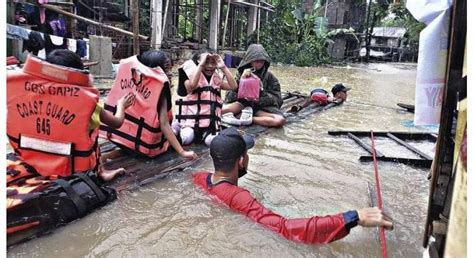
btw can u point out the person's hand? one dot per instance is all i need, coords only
(374, 217)
(246, 73)
(126, 101)
(219, 61)
(190, 155)
(203, 58)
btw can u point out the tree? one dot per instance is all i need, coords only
(297, 34)
(403, 18)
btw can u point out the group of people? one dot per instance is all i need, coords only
(54, 121)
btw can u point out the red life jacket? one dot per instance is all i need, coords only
(201, 109)
(308, 230)
(141, 130)
(49, 109)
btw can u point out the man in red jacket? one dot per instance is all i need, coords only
(229, 154)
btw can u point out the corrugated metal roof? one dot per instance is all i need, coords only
(389, 32)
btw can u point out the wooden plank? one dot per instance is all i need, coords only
(364, 145)
(401, 135)
(68, 14)
(424, 163)
(408, 146)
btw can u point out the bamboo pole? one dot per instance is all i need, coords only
(68, 14)
(165, 18)
(225, 25)
(136, 28)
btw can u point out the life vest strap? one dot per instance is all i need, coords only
(133, 138)
(196, 102)
(74, 152)
(211, 116)
(92, 185)
(80, 205)
(209, 88)
(139, 122)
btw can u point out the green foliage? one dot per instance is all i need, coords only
(291, 36)
(403, 18)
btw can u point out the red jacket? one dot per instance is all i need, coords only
(311, 230)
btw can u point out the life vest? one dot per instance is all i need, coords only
(49, 108)
(201, 109)
(141, 130)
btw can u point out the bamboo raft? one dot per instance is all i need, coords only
(142, 170)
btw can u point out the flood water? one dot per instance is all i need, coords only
(297, 171)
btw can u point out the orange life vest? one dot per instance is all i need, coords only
(201, 109)
(141, 130)
(49, 108)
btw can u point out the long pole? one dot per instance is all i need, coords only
(367, 43)
(258, 23)
(77, 17)
(165, 18)
(383, 241)
(136, 28)
(225, 25)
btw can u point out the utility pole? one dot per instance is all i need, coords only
(136, 27)
(367, 38)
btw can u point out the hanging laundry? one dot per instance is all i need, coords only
(58, 27)
(34, 43)
(15, 32)
(42, 11)
(54, 42)
(72, 45)
(81, 48)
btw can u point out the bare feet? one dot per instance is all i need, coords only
(108, 175)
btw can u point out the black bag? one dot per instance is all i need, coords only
(61, 202)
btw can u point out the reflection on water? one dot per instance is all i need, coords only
(297, 171)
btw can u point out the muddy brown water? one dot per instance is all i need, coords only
(297, 171)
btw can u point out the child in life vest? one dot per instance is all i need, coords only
(152, 59)
(70, 59)
(200, 111)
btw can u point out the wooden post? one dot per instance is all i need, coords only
(258, 24)
(165, 19)
(101, 51)
(367, 37)
(156, 23)
(136, 27)
(225, 25)
(214, 24)
(199, 20)
(232, 26)
(252, 19)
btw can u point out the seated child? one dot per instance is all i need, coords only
(199, 112)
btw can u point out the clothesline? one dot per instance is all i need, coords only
(47, 42)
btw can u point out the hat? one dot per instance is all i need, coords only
(230, 144)
(339, 87)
